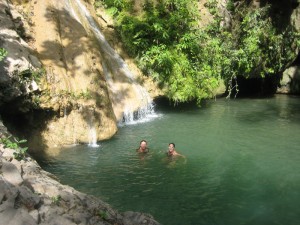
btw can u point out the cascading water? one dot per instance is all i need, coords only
(92, 131)
(93, 137)
(133, 109)
(143, 114)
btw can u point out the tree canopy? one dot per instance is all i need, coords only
(190, 61)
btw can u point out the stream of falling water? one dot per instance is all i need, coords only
(114, 64)
(93, 138)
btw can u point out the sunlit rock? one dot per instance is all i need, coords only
(290, 82)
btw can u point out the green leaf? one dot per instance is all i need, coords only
(3, 53)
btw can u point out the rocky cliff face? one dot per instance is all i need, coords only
(56, 78)
(71, 90)
(288, 14)
(30, 195)
(290, 81)
(285, 16)
(20, 57)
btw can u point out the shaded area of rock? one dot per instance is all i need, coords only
(290, 82)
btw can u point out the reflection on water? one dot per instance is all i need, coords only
(241, 167)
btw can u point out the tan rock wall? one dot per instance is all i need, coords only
(68, 52)
(74, 80)
(19, 58)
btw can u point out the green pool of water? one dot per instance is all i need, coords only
(242, 164)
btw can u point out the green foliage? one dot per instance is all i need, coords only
(20, 152)
(160, 59)
(32, 74)
(65, 94)
(102, 214)
(190, 61)
(98, 4)
(166, 44)
(3, 53)
(211, 5)
(56, 199)
(260, 49)
(134, 33)
(84, 95)
(115, 6)
(230, 5)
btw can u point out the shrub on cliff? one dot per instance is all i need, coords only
(190, 61)
(3, 53)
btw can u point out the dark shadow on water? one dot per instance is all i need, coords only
(165, 104)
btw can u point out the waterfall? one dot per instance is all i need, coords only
(134, 109)
(143, 114)
(93, 137)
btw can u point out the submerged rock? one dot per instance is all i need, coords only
(30, 195)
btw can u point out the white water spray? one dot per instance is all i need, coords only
(93, 138)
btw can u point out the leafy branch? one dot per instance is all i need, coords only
(3, 53)
(20, 152)
(190, 61)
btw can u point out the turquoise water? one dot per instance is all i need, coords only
(241, 165)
